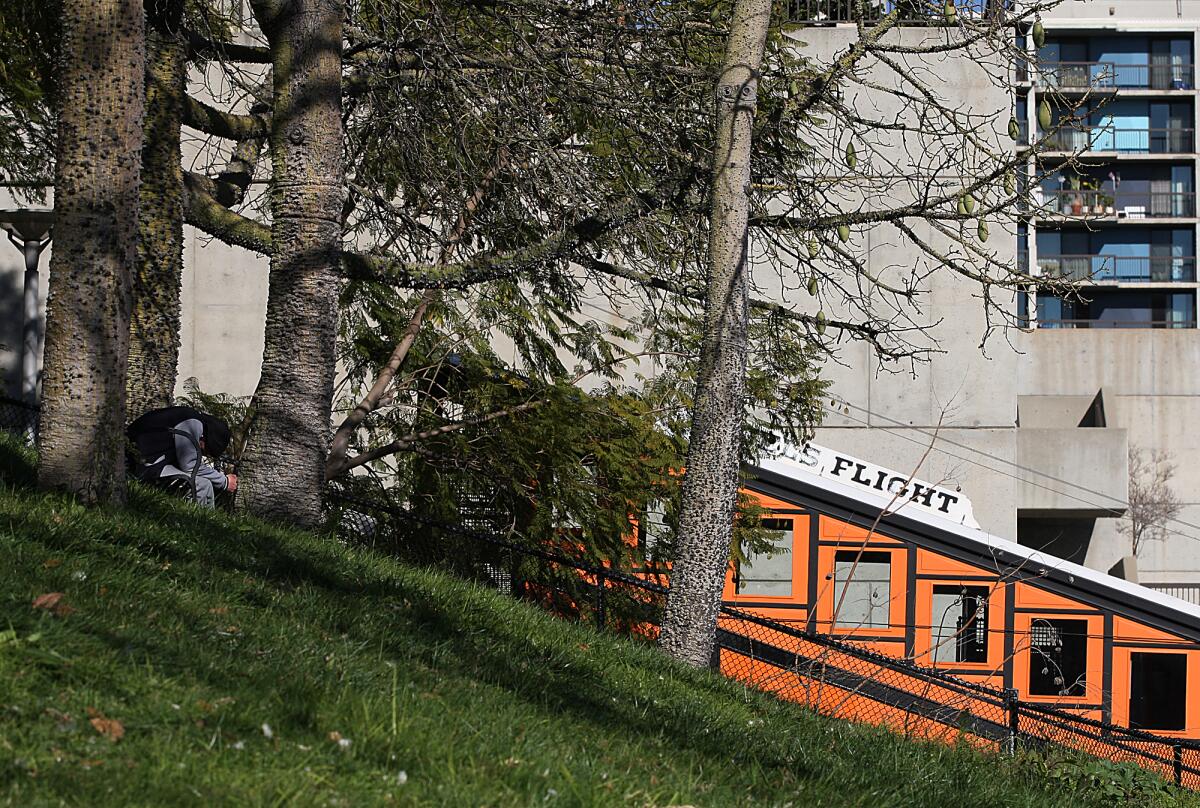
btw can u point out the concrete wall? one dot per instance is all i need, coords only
(224, 301)
(1151, 392)
(224, 305)
(889, 413)
(1085, 458)
(1128, 13)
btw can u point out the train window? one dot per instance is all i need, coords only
(768, 574)
(1157, 691)
(862, 589)
(959, 623)
(1057, 657)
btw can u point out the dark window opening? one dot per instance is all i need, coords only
(1157, 691)
(959, 623)
(1058, 657)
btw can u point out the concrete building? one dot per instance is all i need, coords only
(1037, 433)
(1036, 429)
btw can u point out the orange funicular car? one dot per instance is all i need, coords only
(900, 565)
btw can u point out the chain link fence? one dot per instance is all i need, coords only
(835, 677)
(18, 418)
(832, 676)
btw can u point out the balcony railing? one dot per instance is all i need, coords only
(919, 12)
(1120, 205)
(1111, 138)
(1116, 323)
(1112, 76)
(1184, 591)
(1119, 268)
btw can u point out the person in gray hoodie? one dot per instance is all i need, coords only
(173, 441)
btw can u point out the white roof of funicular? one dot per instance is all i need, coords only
(817, 474)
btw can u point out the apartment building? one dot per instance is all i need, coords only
(1036, 427)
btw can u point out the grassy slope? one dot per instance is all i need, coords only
(195, 630)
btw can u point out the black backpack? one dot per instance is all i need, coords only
(151, 433)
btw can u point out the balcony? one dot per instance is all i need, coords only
(1114, 76)
(918, 12)
(1094, 204)
(1131, 269)
(1106, 307)
(1132, 323)
(1111, 138)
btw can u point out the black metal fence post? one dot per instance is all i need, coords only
(1178, 764)
(1013, 705)
(600, 618)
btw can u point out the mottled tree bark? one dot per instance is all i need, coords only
(96, 177)
(711, 479)
(154, 324)
(282, 472)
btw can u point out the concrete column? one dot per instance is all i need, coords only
(29, 232)
(31, 334)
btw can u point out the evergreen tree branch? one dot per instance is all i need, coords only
(213, 121)
(201, 47)
(202, 210)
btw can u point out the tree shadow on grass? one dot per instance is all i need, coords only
(447, 625)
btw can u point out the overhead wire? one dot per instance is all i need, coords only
(937, 437)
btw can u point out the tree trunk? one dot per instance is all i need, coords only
(96, 176)
(283, 470)
(711, 479)
(154, 324)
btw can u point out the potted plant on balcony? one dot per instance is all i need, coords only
(1077, 201)
(1092, 189)
(1108, 201)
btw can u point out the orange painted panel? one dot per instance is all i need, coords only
(1126, 630)
(931, 563)
(772, 503)
(1029, 596)
(820, 689)
(837, 530)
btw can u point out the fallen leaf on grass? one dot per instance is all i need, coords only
(51, 563)
(219, 610)
(53, 603)
(110, 728)
(47, 601)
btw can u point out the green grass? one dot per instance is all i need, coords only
(197, 631)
